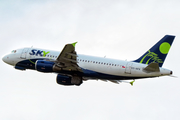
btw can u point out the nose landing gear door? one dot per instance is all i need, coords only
(24, 53)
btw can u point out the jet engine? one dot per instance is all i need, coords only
(69, 80)
(44, 66)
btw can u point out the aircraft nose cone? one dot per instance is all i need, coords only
(9, 60)
(6, 59)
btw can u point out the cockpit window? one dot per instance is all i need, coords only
(14, 51)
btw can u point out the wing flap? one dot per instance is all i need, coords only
(72, 54)
(67, 52)
(70, 60)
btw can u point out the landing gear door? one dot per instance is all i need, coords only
(24, 53)
(128, 68)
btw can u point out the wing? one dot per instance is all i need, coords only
(119, 81)
(67, 59)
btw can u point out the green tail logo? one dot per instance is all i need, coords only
(152, 56)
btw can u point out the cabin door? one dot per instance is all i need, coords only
(24, 53)
(128, 68)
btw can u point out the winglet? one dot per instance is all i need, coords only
(132, 82)
(74, 44)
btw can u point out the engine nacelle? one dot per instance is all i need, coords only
(68, 80)
(44, 66)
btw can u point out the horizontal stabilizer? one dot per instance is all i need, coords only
(152, 67)
(173, 76)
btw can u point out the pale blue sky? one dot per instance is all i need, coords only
(118, 29)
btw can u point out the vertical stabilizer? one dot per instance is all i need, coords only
(158, 52)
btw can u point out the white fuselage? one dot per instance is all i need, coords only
(106, 66)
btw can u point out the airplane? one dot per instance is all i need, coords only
(72, 68)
